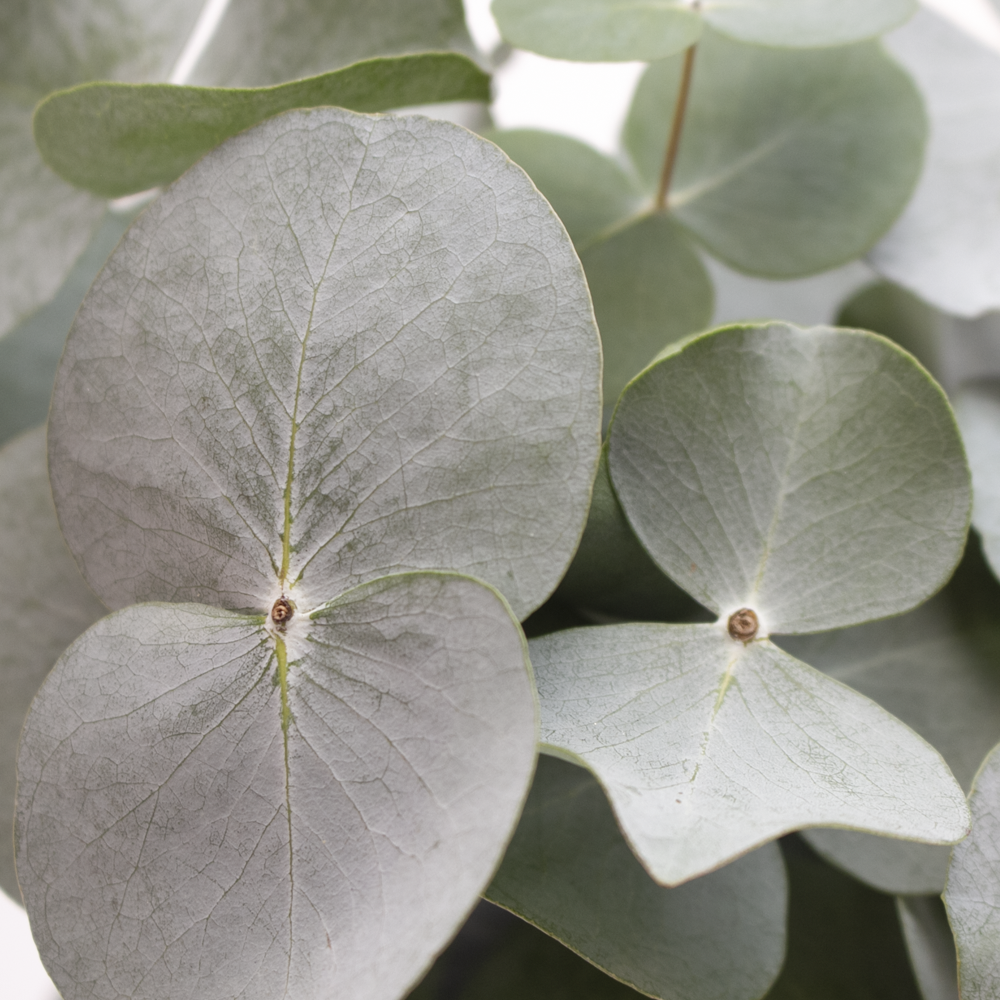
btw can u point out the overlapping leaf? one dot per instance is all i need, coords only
(946, 245)
(613, 30)
(117, 139)
(44, 606)
(973, 893)
(930, 945)
(341, 347)
(205, 813)
(815, 477)
(938, 670)
(569, 872)
(977, 407)
(358, 380)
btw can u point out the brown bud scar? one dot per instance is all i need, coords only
(743, 625)
(281, 612)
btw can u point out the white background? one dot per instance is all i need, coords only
(588, 101)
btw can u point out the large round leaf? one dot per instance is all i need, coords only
(204, 811)
(44, 606)
(937, 669)
(708, 747)
(569, 872)
(977, 407)
(815, 476)
(973, 893)
(791, 162)
(339, 347)
(946, 245)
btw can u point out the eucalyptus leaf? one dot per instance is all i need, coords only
(569, 872)
(204, 811)
(29, 354)
(946, 245)
(792, 162)
(814, 476)
(45, 224)
(973, 893)
(340, 346)
(844, 939)
(977, 406)
(117, 139)
(930, 945)
(709, 747)
(937, 669)
(612, 574)
(620, 30)
(44, 606)
(262, 42)
(590, 192)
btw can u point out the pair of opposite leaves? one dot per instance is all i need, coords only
(201, 497)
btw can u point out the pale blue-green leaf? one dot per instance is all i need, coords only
(973, 892)
(938, 670)
(590, 192)
(649, 289)
(946, 245)
(340, 346)
(29, 354)
(261, 42)
(806, 23)
(708, 747)
(598, 30)
(44, 606)
(200, 815)
(930, 945)
(792, 162)
(977, 406)
(569, 872)
(612, 573)
(45, 224)
(815, 476)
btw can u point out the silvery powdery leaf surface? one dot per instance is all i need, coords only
(946, 245)
(937, 669)
(44, 606)
(203, 812)
(44, 223)
(340, 346)
(977, 407)
(973, 893)
(260, 42)
(569, 872)
(815, 476)
(930, 944)
(708, 747)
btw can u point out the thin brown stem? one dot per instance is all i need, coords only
(677, 126)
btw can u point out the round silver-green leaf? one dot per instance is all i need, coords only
(815, 476)
(973, 892)
(569, 872)
(340, 346)
(708, 747)
(791, 162)
(977, 407)
(206, 812)
(44, 606)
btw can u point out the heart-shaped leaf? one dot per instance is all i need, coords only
(616, 30)
(937, 669)
(44, 606)
(342, 346)
(946, 245)
(708, 747)
(116, 139)
(245, 817)
(977, 407)
(973, 893)
(569, 872)
(930, 945)
(791, 162)
(815, 476)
